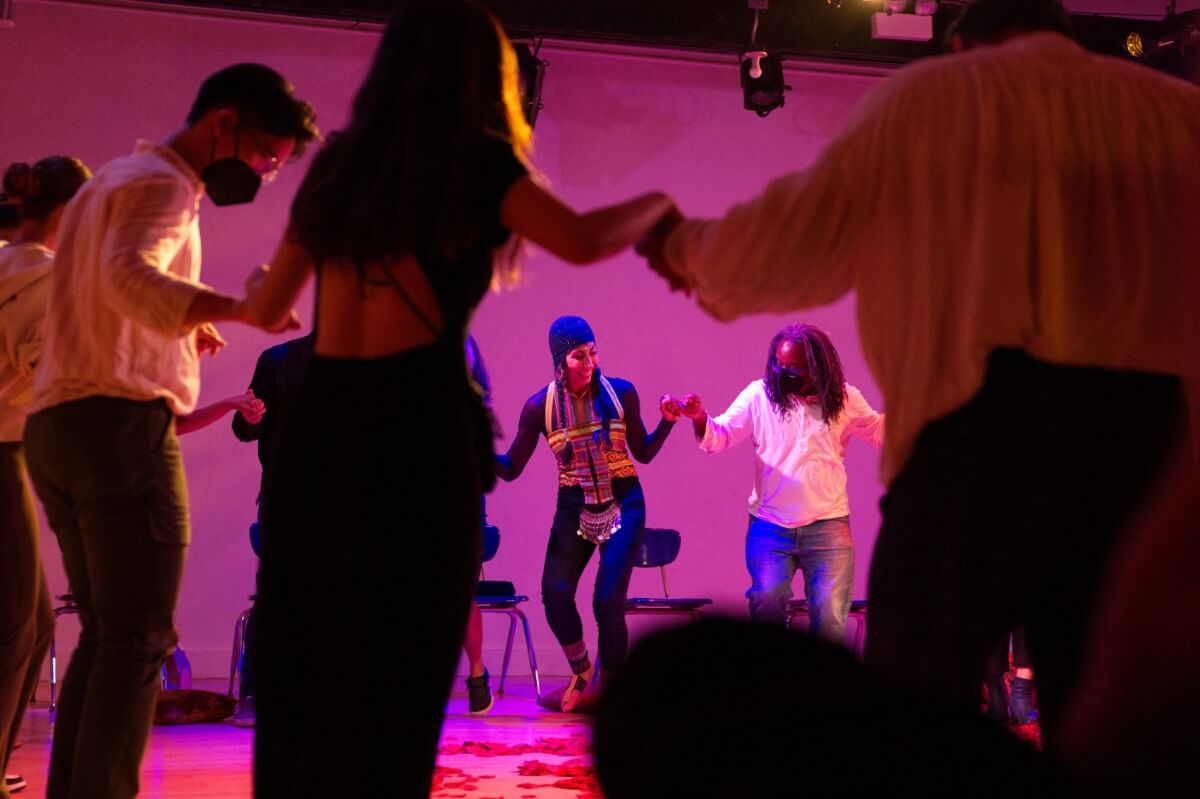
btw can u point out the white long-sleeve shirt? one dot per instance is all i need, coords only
(799, 460)
(1029, 195)
(126, 270)
(24, 285)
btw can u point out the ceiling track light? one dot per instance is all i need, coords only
(761, 72)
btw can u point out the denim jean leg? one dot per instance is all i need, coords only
(772, 564)
(825, 550)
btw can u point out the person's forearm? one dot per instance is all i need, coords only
(202, 417)
(212, 306)
(700, 426)
(617, 227)
(654, 442)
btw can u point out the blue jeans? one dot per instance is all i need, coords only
(823, 550)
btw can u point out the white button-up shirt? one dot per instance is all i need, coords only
(799, 460)
(1029, 195)
(126, 270)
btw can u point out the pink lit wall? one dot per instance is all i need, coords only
(88, 81)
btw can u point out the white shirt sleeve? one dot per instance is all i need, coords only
(150, 222)
(732, 427)
(862, 421)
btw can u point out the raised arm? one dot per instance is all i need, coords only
(862, 421)
(510, 465)
(272, 289)
(727, 430)
(533, 212)
(645, 446)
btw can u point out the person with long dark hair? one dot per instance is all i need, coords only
(800, 417)
(372, 518)
(594, 427)
(39, 192)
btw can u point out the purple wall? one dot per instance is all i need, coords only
(612, 126)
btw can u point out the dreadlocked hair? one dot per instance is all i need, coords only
(824, 369)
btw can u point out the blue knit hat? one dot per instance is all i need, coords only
(567, 333)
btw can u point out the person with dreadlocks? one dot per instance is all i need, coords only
(801, 415)
(593, 425)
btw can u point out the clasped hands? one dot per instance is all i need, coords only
(651, 247)
(672, 408)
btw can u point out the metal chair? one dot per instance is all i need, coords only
(239, 648)
(858, 612)
(69, 607)
(494, 596)
(238, 658)
(660, 547)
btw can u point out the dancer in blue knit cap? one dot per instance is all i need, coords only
(594, 427)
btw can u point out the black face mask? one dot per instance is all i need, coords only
(230, 181)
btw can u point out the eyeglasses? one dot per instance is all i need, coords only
(270, 172)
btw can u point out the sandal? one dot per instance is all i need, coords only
(573, 693)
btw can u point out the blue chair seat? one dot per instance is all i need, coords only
(665, 603)
(495, 589)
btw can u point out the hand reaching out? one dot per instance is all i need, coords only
(250, 407)
(651, 245)
(693, 408)
(670, 408)
(208, 340)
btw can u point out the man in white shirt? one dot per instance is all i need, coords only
(800, 417)
(1014, 221)
(127, 319)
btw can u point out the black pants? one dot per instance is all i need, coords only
(1006, 514)
(566, 556)
(110, 476)
(26, 619)
(369, 556)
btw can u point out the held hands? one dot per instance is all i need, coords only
(693, 408)
(208, 340)
(253, 283)
(651, 246)
(670, 407)
(250, 407)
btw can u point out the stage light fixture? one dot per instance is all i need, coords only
(533, 72)
(762, 82)
(1175, 34)
(761, 72)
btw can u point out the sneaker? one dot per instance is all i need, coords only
(14, 783)
(244, 715)
(479, 694)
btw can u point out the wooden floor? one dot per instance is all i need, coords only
(482, 756)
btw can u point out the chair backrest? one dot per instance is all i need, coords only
(491, 541)
(658, 548)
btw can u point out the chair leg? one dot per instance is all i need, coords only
(860, 635)
(53, 675)
(537, 679)
(239, 652)
(512, 630)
